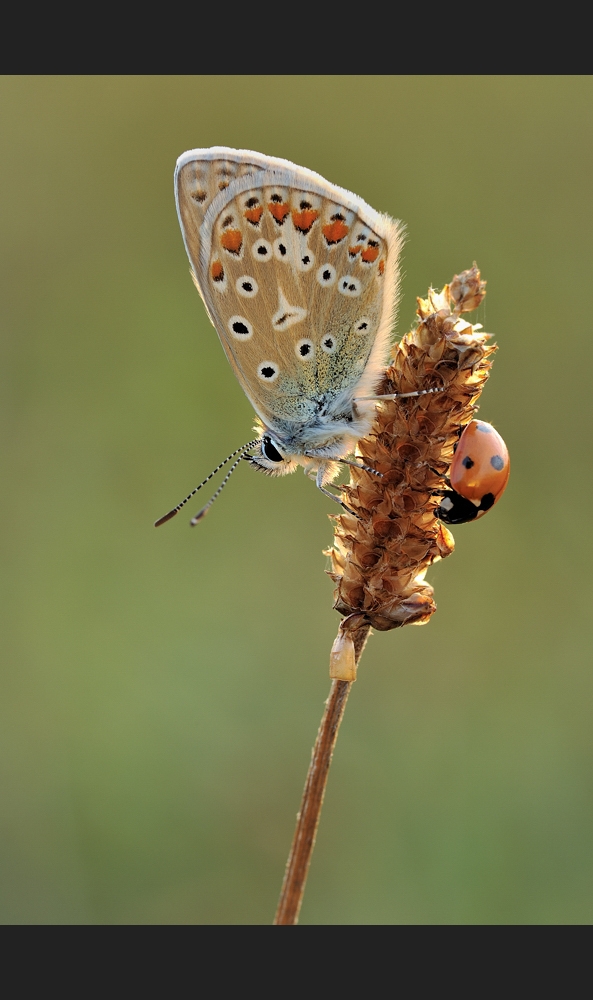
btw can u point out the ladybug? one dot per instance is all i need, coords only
(478, 475)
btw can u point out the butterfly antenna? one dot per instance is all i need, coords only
(360, 465)
(172, 513)
(403, 395)
(202, 513)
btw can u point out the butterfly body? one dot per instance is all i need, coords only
(300, 280)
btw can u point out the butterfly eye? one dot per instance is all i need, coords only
(349, 286)
(304, 349)
(240, 328)
(270, 451)
(247, 286)
(262, 250)
(268, 371)
(326, 275)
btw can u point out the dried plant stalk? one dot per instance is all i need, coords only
(303, 842)
(382, 551)
(380, 557)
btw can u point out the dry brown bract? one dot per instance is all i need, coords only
(380, 558)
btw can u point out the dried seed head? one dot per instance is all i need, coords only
(380, 557)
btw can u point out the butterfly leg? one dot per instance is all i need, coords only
(332, 496)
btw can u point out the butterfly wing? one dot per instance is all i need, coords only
(299, 278)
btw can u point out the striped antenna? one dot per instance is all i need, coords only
(360, 465)
(202, 513)
(239, 451)
(403, 395)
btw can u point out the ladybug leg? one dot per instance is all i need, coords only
(441, 476)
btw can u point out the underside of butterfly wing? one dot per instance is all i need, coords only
(300, 281)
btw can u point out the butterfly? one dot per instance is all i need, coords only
(300, 280)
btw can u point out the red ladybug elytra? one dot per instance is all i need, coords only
(478, 475)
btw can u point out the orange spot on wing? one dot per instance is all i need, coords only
(304, 220)
(253, 215)
(354, 250)
(369, 254)
(232, 240)
(217, 271)
(279, 210)
(335, 231)
(381, 267)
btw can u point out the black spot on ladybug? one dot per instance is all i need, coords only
(487, 501)
(497, 463)
(468, 463)
(485, 428)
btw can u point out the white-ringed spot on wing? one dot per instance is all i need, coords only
(350, 286)
(247, 286)
(362, 325)
(240, 328)
(286, 314)
(262, 250)
(304, 349)
(305, 260)
(326, 275)
(268, 371)
(280, 248)
(328, 343)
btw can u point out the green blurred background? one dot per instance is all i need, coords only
(161, 690)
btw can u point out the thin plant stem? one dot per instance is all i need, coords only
(299, 859)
